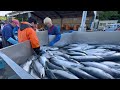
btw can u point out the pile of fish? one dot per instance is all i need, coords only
(76, 61)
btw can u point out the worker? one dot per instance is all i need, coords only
(26, 32)
(52, 30)
(7, 33)
(33, 23)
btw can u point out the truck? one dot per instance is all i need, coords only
(111, 27)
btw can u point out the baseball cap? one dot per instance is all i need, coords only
(16, 22)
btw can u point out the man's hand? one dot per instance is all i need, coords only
(51, 43)
(40, 52)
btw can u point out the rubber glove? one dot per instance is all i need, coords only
(57, 38)
(51, 43)
(15, 32)
(12, 41)
(16, 37)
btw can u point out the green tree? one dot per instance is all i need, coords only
(109, 15)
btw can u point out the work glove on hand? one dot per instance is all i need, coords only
(51, 43)
(12, 41)
(38, 52)
(57, 38)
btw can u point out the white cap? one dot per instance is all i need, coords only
(47, 20)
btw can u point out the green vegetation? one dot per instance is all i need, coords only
(109, 15)
(2, 18)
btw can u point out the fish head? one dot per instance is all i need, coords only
(42, 74)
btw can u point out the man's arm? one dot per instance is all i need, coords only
(34, 41)
(33, 38)
(57, 37)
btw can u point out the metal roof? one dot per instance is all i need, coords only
(53, 14)
(14, 13)
(60, 14)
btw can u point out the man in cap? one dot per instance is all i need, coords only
(7, 33)
(33, 23)
(52, 30)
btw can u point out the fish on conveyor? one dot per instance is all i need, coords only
(116, 54)
(70, 47)
(111, 47)
(44, 48)
(87, 58)
(53, 48)
(47, 55)
(95, 51)
(64, 63)
(43, 60)
(33, 57)
(67, 57)
(49, 74)
(60, 74)
(73, 53)
(55, 53)
(76, 45)
(47, 48)
(79, 44)
(67, 47)
(111, 64)
(33, 73)
(107, 46)
(45, 77)
(81, 48)
(26, 66)
(74, 61)
(81, 74)
(111, 71)
(113, 57)
(52, 66)
(98, 73)
(60, 57)
(118, 69)
(38, 68)
(107, 53)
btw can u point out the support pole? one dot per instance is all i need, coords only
(84, 15)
